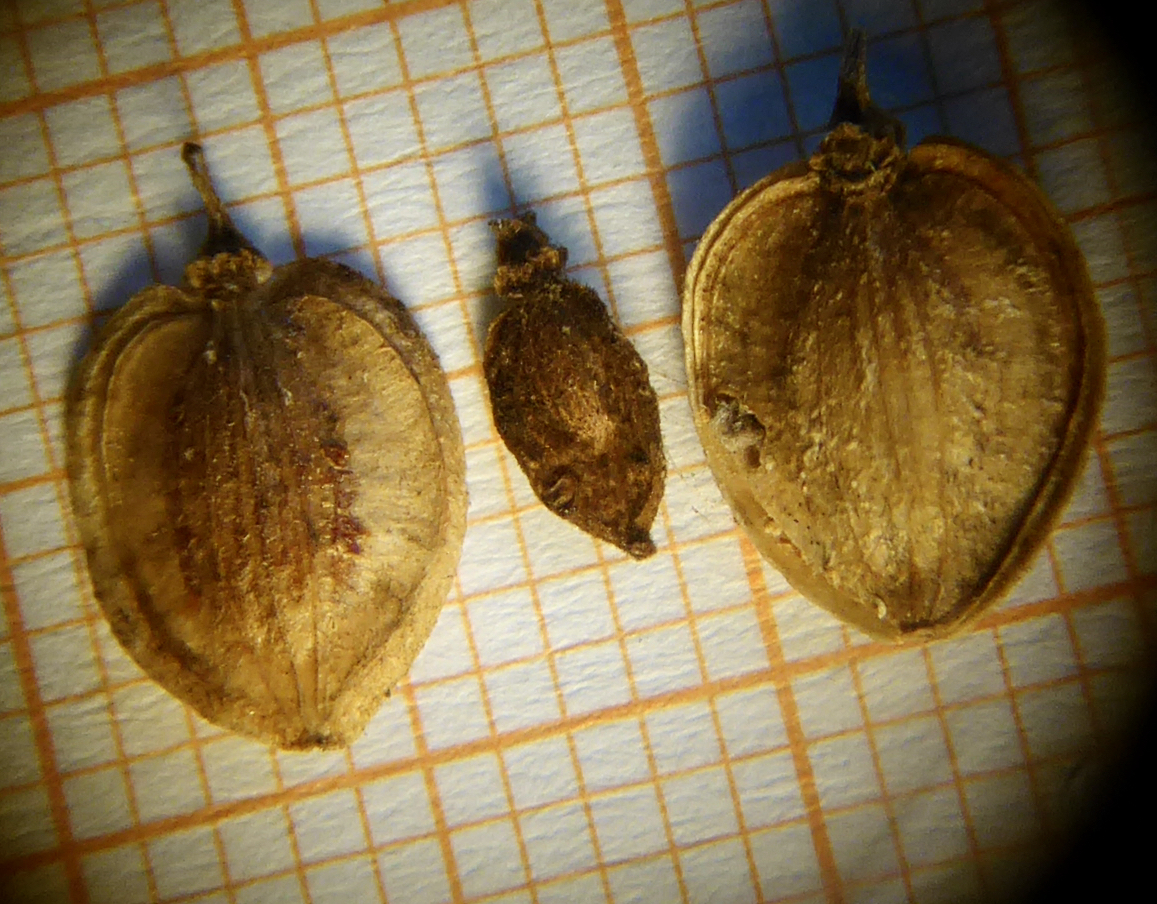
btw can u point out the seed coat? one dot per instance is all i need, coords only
(895, 364)
(570, 395)
(268, 476)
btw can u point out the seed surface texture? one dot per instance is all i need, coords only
(570, 395)
(895, 364)
(268, 476)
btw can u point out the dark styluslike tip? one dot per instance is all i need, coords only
(223, 237)
(639, 544)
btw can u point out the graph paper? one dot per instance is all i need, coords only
(580, 727)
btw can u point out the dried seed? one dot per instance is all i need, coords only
(895, 364)
(268, 475)
(570, 395)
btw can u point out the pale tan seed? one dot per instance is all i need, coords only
(268, 476)
(895, 364)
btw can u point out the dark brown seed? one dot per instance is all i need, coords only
(570, 395)
(268, 476)
(895, 363)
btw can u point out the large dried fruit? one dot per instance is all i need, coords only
(269, 479)
(895, 364)
(570, 395)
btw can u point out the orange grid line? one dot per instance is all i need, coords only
(321, 787)
(475, 658)
(755, 678)
(453, 878)
(1077, 216)
(1013, 87)
(138, 204)
(250, 46)
(941, 712)
(504, 470)
(578, 873)
(780, 69)
(343, 123)
(663, 202)
(536, 602)
(789, 710)
(42, 733)
(795, 133)
(37, 715)
(794, 668)
(886, 794)
(636, 99)
(1108, 472)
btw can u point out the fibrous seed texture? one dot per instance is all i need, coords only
(268, 476)
(895, 363)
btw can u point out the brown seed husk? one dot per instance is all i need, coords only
(269, 480)
(570, 395)
(895, 363)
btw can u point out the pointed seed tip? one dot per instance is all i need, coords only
(639, 544)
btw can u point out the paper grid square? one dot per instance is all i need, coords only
(768, 791)
(703, 866)
(629, 823)
(540, 773)
(18, 751)
(844, 770)
(28, 155)
(98, 803)
(417, 870)
(82, 734)
(471, 789)
(699, 806)
(63, 54)
(118, 875)
(896, 685)
(683, 737)
(48, 591)
(65, 662)
(167, 785)
(398, 808)
(14, 81)
(554, 548)
(612, 754)
(592, 677)
(822, 720)
(452, 712)
(558, 840)
(663, 660)
(860, 861)
(913, 754)
(488, 858)
(786, 860)
(348, 880)
(327, 826)
(257, 844)
(522, 696)
(185, 862)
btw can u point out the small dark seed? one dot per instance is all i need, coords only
(570, 395)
